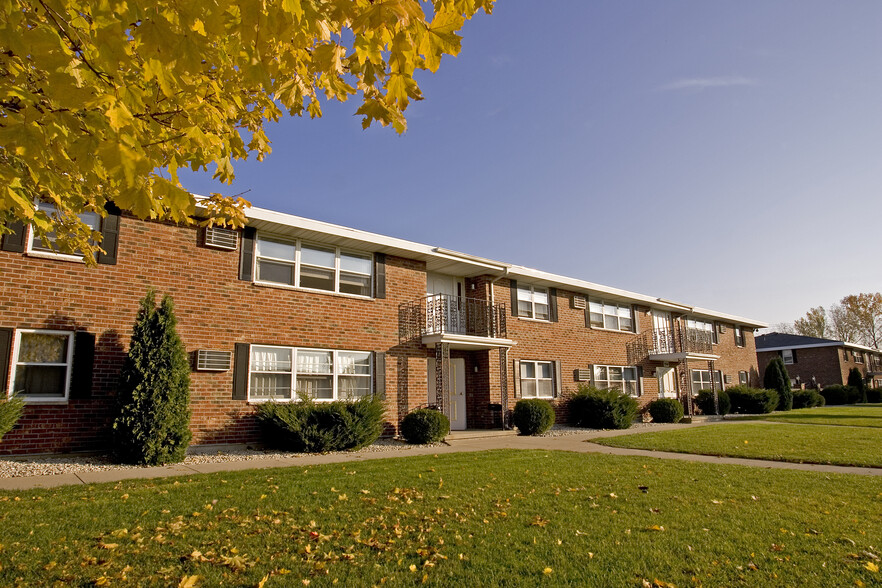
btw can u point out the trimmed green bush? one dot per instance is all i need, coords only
(856, 381)
(746, 400)
(533, 416)
(10, 412)
(152, 423)
(839, 394)
(425, 425)
(318, 427)
(776, 378)
(666, 410)
(705, 401)
(807, 399)
(874, 395)
(602, 409)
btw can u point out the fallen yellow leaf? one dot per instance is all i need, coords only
(547, 571)
(872, 567)
(188, 581)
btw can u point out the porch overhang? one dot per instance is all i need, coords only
(466, 341)
(683, 355)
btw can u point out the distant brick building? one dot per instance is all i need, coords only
(291, 306)
(826, 360)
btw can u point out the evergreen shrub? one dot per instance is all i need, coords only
(666, 410)
(746, 400)
(602, 409)
(425, 425)
(533, 416)
(839, 394)
(856, 381)
(10, 411)
(705, 402)
(807, 399)
(776, 378)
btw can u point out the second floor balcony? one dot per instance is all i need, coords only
(463, 322)
(672, 345)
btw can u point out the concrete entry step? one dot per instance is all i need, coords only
(479, 434)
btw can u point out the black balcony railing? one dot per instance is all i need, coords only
(665, 341)
(438, 314)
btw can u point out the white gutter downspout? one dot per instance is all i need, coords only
(493, 282)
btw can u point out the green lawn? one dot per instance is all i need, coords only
(852, 446)
(503, 518)
(855, 415)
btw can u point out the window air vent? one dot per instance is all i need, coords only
(221, 238)
(213, 361)
(582, 375)
(721, 328)
(727, 378)
(579, 302)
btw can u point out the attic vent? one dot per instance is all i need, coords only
(582, 375)
(721, 328)
(221, 238)
(579, 301)
(213, 361)
(727, 378)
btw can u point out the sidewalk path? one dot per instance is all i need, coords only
(456, 444)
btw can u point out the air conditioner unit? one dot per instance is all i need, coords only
(579, 302)
(582, 375)
(221, 238)
(213, 361)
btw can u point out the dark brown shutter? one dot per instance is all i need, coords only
(83, 362)
(246, 259)
(242, 357)
(109, 235)
(639, 381)
(517, 378)
(5, 352)
(558, 380)
(793, 351)
(552, 304)
(14, 241)
(513, 284)
(379, 374)
(379, 275)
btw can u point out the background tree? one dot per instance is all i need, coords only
(105, 101)
(786, 328)
(813, 324)
(776, 378)
(865, 315)
(152, 424)
(842, 325)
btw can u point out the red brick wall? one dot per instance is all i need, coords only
(826, 364)
(214, 310)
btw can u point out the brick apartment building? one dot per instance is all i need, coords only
(291, 306)
(825, 360)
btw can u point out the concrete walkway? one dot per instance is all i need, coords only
(456, 443)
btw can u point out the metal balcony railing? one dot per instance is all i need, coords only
(439, 314)
(666, 341)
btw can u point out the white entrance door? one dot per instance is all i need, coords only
(667, 386)
(445, 311)
(455, 406)
(662, 334)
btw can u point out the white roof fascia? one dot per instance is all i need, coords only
(811, 345)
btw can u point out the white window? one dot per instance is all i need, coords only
(537, 379)
(610, 315)
(47, 245)
(858, 357)
(787, 356)
(533, 302)
(288, 373)
(701, 380)
(739, 336)
(316, 267)
(42, 365)
(742, 378)
(624, 378)
(704, 328)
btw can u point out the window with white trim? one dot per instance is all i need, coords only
(533, 302)
(289, 373)
(701, 380)
(787, 356)
(537, 379)
(739, 336)
(614, 316)
(624, 378)
(316, 267)
(704, 327)
(47, 245)
(42, 363)
(858, 356)
(742, 378)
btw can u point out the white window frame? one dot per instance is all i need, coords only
(603, 314)
(532, 300)
(536, 379)
(706, 381)
(858, 356)
(16, 348)
(335, 373)
(787, 356)
(596, 382)
(743, 378)
(298, 245)
(34, 247)
(697, 324)
(739, 336)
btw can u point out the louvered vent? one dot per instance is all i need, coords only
(582, 375)
(213, 361)
(727, 378)
(221, 238)
(579, 302)
(721, 328)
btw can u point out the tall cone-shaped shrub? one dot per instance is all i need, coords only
(153, 401)
(776, 378)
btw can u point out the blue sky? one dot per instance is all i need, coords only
(723, 154)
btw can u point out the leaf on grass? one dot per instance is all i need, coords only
(539, 522)
(188, 581)
(547, 571)
(872, 567)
